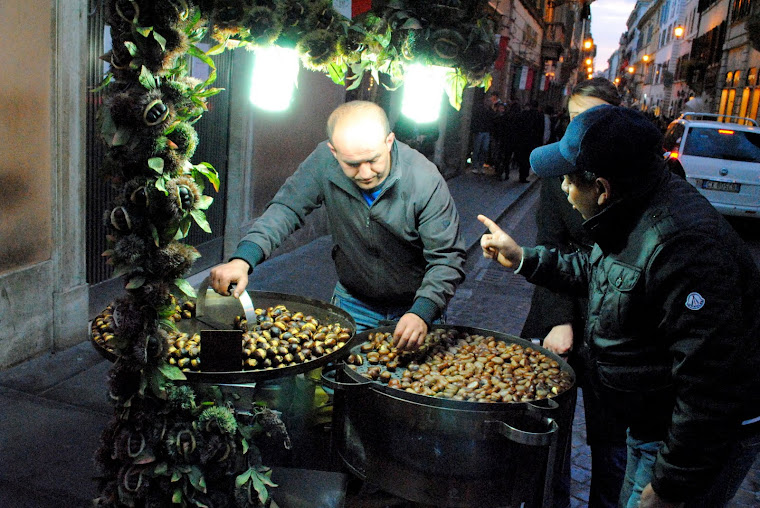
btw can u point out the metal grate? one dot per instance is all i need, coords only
(99, 193)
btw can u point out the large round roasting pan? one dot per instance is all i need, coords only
(218, 313)
(446, 452)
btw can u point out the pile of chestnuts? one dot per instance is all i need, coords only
(279, 338)
(460, 366)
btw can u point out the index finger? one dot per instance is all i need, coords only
(491, 225)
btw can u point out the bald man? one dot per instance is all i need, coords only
(397, 247)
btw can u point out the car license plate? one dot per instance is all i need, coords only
(721, 186)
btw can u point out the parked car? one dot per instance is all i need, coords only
(720, 156)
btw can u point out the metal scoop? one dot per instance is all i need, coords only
(219, 311)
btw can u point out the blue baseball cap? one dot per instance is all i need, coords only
(606, 140)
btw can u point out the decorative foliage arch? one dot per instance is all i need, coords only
(167, 444)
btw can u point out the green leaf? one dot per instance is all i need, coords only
(177, 496)
(260, 488)
(176, 476)
(161, 184)
(355, 84)
(167, 324)
(185, 287)
(205, 202)
(200, 55)
(156, 164)
(172, 372)
(455, 84)
(183, 228)
(135, 282)
(106, 80)
(144, 30)
(158, 384)
(131, 47)
(219, 48)
(337, 72)
(200, 219)
(161, 469)
(242, 478)
(154, 234)
(160, 39)
(209, 92)
(209, 172)
(196, 479)
(147, 79)
(244, 443)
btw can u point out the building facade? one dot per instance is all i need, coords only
(674, 50)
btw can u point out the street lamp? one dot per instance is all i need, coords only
(678, 31)
(588, 61)
(617, 81)
(631, 69)
(588, 43)
(645, 58)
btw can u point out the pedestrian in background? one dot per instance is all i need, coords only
(529, 136)
(510, 127)
(559, 320)
(498, 138)
(673, 314)
(481, 126)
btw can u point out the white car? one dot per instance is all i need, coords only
(720, 156)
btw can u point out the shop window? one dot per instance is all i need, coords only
(729, 78)
(737, 78)
(752, 76)
(744, 103)
(755, 103)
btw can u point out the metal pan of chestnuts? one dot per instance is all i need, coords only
(460, 368)
(292, 335)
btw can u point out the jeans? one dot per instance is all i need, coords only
(367, 315)
(608, 461)
(480, 145)
(640, 469)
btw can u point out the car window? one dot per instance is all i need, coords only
(725, 143)
(673, 137)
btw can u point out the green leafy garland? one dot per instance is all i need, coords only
(167, 444)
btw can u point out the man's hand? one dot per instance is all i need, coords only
(650, 499)
(499, 246)
(234, 272)
(559, 339)
(410, 332)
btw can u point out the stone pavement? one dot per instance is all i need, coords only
(53, 408)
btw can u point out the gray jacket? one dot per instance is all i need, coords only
(405, 249)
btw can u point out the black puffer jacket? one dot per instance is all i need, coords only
(673, 324)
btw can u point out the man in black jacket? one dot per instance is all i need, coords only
(673, 313)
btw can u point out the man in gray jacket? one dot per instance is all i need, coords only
(398, 250)
(672, 340)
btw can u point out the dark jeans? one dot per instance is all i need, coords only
(642, 456)
(606, 436)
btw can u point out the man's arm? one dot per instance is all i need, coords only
(444, 253)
